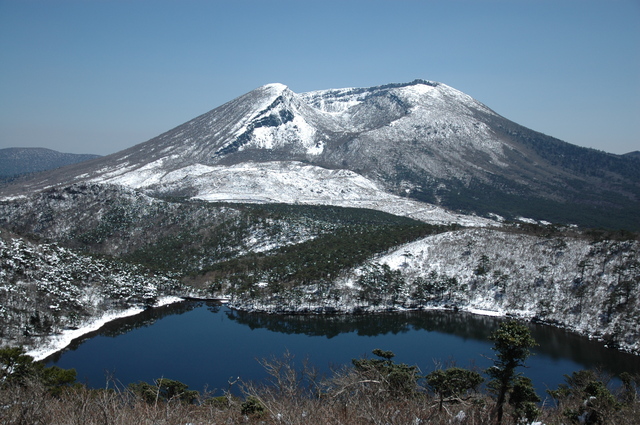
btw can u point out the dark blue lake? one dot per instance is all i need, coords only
(205, 345)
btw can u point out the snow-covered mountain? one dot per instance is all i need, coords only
(421, 140)
(422, 150)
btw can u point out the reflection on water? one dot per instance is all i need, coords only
(206, 344)
(553, 342)
(460, 324)
(127, 324)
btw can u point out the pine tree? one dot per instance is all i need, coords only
(512, 342)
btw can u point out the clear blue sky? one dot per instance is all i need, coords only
(92, 76)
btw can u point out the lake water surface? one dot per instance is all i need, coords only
(205, 345)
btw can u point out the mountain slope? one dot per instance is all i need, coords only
(422, 140)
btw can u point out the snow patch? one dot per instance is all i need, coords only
(289, 182)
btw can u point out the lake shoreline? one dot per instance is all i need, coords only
(57, 343)
(345, 309)
(203, 344)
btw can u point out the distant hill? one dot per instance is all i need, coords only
(18, 161)
(634, 155)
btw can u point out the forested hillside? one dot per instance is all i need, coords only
(303, 258)
(96, 248)
(567, 279)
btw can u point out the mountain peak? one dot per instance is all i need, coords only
(422, 139)
(275, 86)
(274, 89)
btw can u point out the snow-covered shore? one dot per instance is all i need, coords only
(586, 286)
(58, 342)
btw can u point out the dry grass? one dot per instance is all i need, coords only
(294, 395)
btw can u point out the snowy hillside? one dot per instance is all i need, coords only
(48, 287)
(572, 282)
(47, 290)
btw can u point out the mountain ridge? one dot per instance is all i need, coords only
(423, 140)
